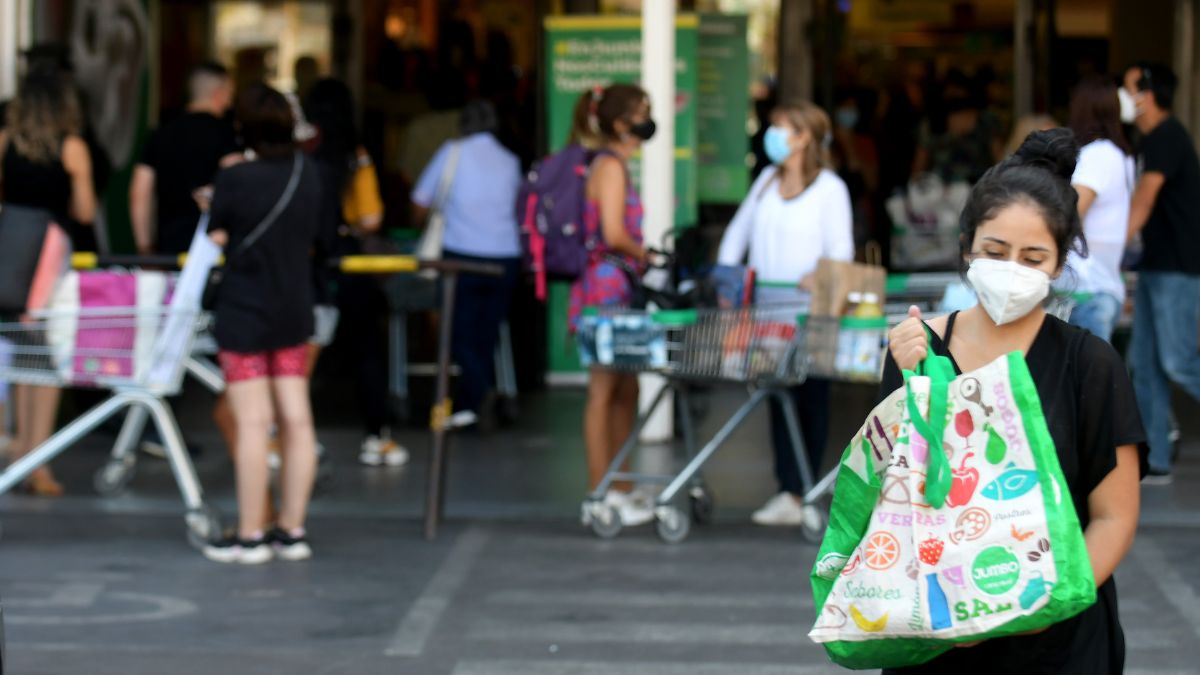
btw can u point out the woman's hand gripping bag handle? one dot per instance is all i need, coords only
(940, 372)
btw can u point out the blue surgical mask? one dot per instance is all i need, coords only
(775, 144)
(847, 118)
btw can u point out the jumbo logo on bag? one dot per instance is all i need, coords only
(979, 561)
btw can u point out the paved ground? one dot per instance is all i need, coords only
(512, 587)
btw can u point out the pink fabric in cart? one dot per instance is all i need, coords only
(103, 346)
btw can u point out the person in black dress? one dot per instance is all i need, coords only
(1017, 228)
(44, 164)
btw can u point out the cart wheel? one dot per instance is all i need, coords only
(111, 479)
(702, 504)
(813, 527)
(603, 518)
(203, 525)
(671, 524)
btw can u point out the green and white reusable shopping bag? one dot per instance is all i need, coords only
(951, 522)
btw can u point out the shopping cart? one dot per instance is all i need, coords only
(767, 348)
(140, 355)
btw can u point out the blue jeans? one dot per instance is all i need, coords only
(1165, 349)
(1098, 315)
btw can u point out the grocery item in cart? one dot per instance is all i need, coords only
(756, 345)
(622, 339)
(951, 522)
(103, 324)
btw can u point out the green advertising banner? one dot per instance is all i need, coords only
(586, 51)
(722, 103)
(583, 52)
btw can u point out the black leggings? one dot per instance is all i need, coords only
(811, 401)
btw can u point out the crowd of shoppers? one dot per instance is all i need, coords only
(281, 207)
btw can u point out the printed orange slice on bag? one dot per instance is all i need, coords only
(882, 551)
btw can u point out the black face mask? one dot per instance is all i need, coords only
(643, 130)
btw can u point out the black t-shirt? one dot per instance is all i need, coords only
(1089, 405)
(185, 154)
(1172, 234)
(265, 299)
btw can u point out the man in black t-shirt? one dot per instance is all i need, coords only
(1166, 211)
(180, 157)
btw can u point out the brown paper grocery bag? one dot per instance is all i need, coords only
(835, 280)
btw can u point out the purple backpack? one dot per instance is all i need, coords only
(550, 208)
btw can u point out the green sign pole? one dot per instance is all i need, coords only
(587, 51)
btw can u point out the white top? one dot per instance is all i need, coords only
(1108, 172)
(480, 218)
(786, 237)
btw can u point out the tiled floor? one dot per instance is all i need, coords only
(513, 586)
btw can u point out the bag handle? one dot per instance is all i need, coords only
(447, 178)
(940, 372)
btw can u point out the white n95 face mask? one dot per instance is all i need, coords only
(1128, 105)
(1007, 290)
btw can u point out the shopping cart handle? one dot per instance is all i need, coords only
(89, 260)
(393, 264)
(351, 264)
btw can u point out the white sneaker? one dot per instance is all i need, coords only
(462, 418)
(633, 511)
(230, 549)
(378, 451)
(782, 509)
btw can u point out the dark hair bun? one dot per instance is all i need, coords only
(1055, 150)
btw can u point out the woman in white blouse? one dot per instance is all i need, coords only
(797, 212)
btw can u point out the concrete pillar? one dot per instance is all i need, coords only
(10, 22)
(1183, 58)
(1023, 32)
(795, 50)
(658, 164)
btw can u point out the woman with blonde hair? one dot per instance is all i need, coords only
(797, 212)
(44, 164)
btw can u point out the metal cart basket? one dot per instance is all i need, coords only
(767, 348)
(139, 354)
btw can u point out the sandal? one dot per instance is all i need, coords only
(42, 484)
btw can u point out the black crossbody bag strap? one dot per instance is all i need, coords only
(274, 213)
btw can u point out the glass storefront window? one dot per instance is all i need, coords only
(264, 41)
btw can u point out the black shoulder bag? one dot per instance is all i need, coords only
(211, 292)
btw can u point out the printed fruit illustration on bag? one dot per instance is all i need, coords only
(930, 550)
(865, 624)
(963, 485)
